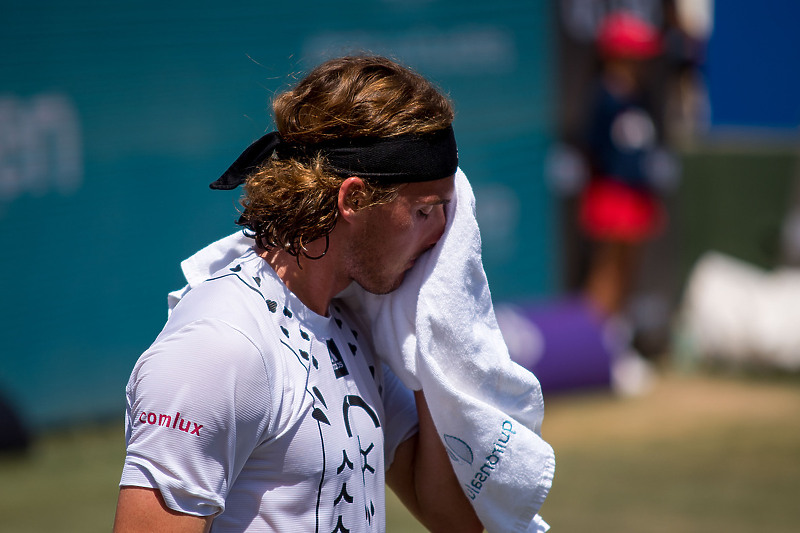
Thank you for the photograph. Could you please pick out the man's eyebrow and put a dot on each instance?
(437, 201)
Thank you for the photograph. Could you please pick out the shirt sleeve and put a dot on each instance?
(402, 421)
(198, 402)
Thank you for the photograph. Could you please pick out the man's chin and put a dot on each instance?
(383, 289)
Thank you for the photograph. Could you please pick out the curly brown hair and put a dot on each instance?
(289, 203)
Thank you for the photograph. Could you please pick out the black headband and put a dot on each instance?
(401, 159)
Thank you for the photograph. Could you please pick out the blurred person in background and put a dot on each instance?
(619, 208)
(611, 170)
(687, 113)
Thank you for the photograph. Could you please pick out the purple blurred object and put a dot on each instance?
(561, 342)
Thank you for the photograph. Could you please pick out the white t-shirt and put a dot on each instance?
(251, 405)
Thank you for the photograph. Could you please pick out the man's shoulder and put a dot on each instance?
(241, 290)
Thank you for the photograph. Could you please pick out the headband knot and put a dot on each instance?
(400, 159)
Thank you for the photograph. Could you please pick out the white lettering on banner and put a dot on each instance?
(41, 148)
(472, 50)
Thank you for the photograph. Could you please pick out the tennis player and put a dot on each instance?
(261, 405)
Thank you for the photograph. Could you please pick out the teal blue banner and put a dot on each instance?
(115, 117)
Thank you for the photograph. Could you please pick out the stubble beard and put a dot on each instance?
(366, 267)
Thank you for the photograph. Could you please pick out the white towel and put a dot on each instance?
(199, 267)
(487, 409)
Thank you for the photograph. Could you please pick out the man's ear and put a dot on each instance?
(352, 196)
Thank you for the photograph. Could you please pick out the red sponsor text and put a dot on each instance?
(168, 421)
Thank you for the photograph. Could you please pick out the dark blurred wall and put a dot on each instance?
(753, 74)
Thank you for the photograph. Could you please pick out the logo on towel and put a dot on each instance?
(491, 462)
(458, 450)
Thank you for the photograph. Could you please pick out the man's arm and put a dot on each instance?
(141, 510)
(423, 479)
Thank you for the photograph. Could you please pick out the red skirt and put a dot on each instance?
(611, 210)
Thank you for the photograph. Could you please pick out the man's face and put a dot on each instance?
(392, 236)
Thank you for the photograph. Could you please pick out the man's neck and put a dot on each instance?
(314, 281)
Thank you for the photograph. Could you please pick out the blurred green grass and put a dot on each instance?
(696, 454)
(712, 454)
